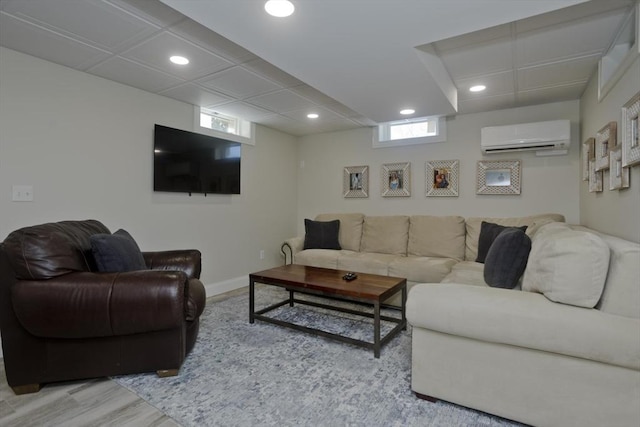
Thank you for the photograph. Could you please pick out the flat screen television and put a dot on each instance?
(188, 162)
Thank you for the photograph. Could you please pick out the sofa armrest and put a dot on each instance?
(525, 319)
(83, 305)
(292, 245)
(185, 260)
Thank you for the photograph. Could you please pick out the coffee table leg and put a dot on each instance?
(252, 302)
(376, 329)
(290, 298)
(404, 307)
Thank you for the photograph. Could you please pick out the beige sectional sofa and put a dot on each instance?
(562, 351)
(422, 248)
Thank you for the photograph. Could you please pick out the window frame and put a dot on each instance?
(382, 136)
(247, 126)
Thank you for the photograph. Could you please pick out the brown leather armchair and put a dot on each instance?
(62, 320)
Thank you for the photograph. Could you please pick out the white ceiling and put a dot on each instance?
(354, 62)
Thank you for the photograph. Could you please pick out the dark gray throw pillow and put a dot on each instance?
(507, 258)
(321, 234)
(488, 233)
(116, 252)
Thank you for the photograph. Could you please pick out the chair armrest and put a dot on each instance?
(83, 305)
(525, 319)
(185, 260)
(293, 246)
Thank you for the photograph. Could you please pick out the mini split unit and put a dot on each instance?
(550, 138)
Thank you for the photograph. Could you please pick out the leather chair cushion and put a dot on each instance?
(53, 249)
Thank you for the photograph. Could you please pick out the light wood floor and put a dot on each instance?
(97, 402)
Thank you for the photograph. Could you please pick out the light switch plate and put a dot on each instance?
(22, 193)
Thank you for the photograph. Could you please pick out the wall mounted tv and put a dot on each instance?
(188, 162)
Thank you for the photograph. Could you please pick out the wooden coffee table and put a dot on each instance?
(367, 289)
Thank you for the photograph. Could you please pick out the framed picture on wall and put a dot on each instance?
(618, 174)
(587, 154)
(595, 178)
(605, 142)
(442, 178)
(396, 179)
(498, 177)
(630, 132)
(355, 181)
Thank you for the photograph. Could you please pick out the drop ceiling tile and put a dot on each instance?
(470, 39)
(89, 21)
(583, 37)
(151, 11)
(476, 105)
(485, 58)
(578, 70)
(497, 84)
(196, 95)
(282, 101)
(271, 72)
(137, 75)
(313, 95)
(212, 41)
(239, 83)
(36, 41)
(325, 114)
(243, 110)
(155, 52)
(551, 94)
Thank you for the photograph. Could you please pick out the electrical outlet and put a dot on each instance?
(22, 193)
(261, 253)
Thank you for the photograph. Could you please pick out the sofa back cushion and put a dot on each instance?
(50, 250)
(567, 266)
(474, 224)
(350, 228)
(436, 236)
(385, 234)
(621, 295)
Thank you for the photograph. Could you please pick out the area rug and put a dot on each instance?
(242, 374)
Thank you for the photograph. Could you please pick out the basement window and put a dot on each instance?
(213, 123)
(422, 130)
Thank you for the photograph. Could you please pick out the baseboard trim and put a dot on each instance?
(226, 285)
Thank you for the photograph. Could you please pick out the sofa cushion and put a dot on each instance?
(474, 224)
(372, 263)
(325, 258)
(421, 269)
(488, 233)
(436, 236)
(350, 232)
(568, 267)
(466, 272)
(507, 258)
(116, 252)
(321, 234)
(385, 234)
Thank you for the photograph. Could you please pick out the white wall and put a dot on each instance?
(86, 146)
(614, 212)
(549, 184)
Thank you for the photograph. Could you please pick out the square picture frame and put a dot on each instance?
(501, 177)
(631, 132)
(618, 174)
(441, 178)
(396, 179)
(587, 154)
(605, 142)
(355, 181)
(595, 178)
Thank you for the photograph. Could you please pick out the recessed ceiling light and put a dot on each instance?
(180, 60)
(279, 8)
(477, 88)
(313, 115)
(407, 111)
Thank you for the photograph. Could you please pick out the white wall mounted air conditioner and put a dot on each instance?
(549, 138)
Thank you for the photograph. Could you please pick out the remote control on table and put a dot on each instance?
(350, 276)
